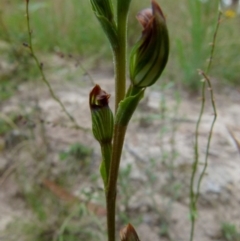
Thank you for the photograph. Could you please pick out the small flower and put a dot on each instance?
(98, 98)
(102, 117)
(128, 233)
(230, 13)
(230, 8)
(150, 54)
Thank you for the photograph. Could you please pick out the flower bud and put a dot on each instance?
(128, 233)
(102, 116)
(150, 54)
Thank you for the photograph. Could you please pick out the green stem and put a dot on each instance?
(111, 192)
(120, 59)
(209, 135)
(119, 131)
(192, 227)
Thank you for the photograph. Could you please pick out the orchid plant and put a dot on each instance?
(148, 59)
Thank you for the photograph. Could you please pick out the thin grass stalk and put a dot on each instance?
(194, 196)
(214, 43)
(40, 67)
(207, 79)
(173, 137)
(192, 206)
(210, 134)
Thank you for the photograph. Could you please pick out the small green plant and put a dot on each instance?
(229, 232)
(6, 89)
(76, 151)
(4, 127)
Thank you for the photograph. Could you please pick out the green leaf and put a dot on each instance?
(127, 107)
(103, 173)
(106, 149)
(103, 8)
(109, 29)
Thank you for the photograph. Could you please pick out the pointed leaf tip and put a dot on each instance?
(128, 233)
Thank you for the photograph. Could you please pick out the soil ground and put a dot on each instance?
(159, 147)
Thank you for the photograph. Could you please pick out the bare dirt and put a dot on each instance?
(159, 147)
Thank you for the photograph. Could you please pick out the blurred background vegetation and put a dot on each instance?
(70, 27)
